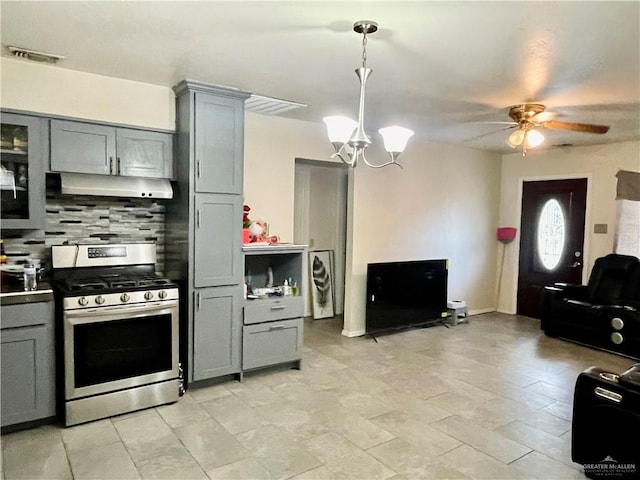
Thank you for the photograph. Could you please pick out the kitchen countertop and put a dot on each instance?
(13, 293)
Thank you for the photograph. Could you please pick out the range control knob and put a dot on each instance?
(125, 297)
(162, 294)
(83, 301)
(148, 295)
(99, 299)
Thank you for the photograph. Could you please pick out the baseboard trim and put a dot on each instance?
(359, 333)
(354, 333)
(481, 311)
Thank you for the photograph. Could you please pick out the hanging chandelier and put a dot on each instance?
(347, 136)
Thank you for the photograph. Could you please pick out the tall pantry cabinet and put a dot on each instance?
(204, 224)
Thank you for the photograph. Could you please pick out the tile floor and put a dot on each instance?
(488, 399)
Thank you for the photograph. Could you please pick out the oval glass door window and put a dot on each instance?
(551, 234)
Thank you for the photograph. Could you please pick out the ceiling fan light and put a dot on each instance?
(339, 129)
(516, 138)
(395, 138)
(534, 138)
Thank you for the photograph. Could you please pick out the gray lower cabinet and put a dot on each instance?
(270, 343)
(28, 363)
(216, 332)
(107, 150)
(273, 327)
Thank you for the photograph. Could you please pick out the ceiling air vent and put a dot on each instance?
(269, 105)
(34, 55)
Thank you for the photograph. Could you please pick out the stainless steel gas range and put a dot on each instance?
(117, 330)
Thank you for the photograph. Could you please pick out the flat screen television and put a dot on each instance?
(405, 294)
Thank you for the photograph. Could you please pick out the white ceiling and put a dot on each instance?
(443, 69)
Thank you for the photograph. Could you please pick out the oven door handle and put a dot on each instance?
(119, 308)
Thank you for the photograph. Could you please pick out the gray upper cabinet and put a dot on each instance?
(217, 235)
(82, 148)
(219, 138)
(144, 154)
(23, 154)
(106, 150)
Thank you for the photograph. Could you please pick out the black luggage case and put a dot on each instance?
(605, 433)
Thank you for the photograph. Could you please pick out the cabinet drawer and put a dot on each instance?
(26, 315)
(272, 343)
(269, 309)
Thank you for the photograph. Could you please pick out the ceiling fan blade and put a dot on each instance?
(576, 127)
(500, 123)
(491, 133)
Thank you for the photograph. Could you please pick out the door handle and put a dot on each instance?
(575, 265)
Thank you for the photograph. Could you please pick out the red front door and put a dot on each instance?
(551, 238)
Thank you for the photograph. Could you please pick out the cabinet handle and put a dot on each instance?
(110, 165)
(198, 168)
(118, 165)
(197, 302)
(277, 327)
(278, 307)
(197, 218)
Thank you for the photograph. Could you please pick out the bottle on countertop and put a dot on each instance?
(4, 277)
(287, 289)
(30, 279)
(3, 256)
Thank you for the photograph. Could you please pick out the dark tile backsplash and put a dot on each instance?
(87, 219)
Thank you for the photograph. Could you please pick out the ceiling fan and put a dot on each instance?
(527, 118)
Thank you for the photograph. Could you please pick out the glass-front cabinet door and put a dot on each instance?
(22, 183)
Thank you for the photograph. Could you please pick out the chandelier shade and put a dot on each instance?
(395, 138)
(340, 129)
(348, 137)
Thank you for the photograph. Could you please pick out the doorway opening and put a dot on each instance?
(320, 220)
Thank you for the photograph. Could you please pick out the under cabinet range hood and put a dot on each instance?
(112, 186)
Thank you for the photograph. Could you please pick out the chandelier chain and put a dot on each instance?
(364, 49)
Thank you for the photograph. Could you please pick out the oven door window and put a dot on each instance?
(118, 349)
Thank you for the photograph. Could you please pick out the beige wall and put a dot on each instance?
(270, 149)
(443, 204)
(598, 163)
(53, 90)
